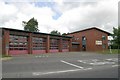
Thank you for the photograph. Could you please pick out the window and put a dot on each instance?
(83, 40)
(77, 38)
(103, 37)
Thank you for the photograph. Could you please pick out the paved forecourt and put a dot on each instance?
(62, 65)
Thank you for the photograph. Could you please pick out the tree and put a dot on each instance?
(116, 37)
(64, 34)
(31, 25)
(55, 32)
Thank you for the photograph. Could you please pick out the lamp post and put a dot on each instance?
(109, 44)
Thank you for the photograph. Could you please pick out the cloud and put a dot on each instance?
(119, 13)
(7, 13)
(101, 14)
(64, 16)
(18, 12)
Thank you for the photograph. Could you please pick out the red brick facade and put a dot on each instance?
(25, 42)
(92, 35)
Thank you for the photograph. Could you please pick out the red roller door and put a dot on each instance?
(18, 45)
(39, 45)
(65, 45)
(54, 45)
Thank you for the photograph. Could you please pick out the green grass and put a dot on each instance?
(113, 51)
(4, 56)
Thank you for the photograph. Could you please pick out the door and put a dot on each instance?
(75, 47)
(65, 45)
(18, 45)
(54, 45)
(83, 43)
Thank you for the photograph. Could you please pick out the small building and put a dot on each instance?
(24, 42)
(91, 39)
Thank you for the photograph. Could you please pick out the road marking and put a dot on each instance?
(88, 61)
(72, 64)
(40, 56)
(41, 73)
(37, 56)
(82, 61)
(87, 69)
(94, 60)
(98, 63)
(115, 65)
(101, 63)
(113, 59)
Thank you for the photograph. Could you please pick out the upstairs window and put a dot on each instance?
(103, 37)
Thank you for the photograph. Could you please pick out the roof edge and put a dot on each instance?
(36, 32)
(90, 29)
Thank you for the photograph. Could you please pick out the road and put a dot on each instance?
(62, 65)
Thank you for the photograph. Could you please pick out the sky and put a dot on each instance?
(62, 15)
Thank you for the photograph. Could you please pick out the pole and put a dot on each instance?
(110, 49)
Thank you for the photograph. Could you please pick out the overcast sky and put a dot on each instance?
(62, 15)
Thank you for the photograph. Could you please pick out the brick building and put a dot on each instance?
(25, 42)
(91, 39)
(15, 41)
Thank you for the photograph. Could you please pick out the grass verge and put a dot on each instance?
(6, 57)
(113, 51)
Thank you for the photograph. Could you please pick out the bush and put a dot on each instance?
(113, 47)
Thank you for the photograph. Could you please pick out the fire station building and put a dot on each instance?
(91, 39)
(25, 42)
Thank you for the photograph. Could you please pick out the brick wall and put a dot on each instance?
(91, 35)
